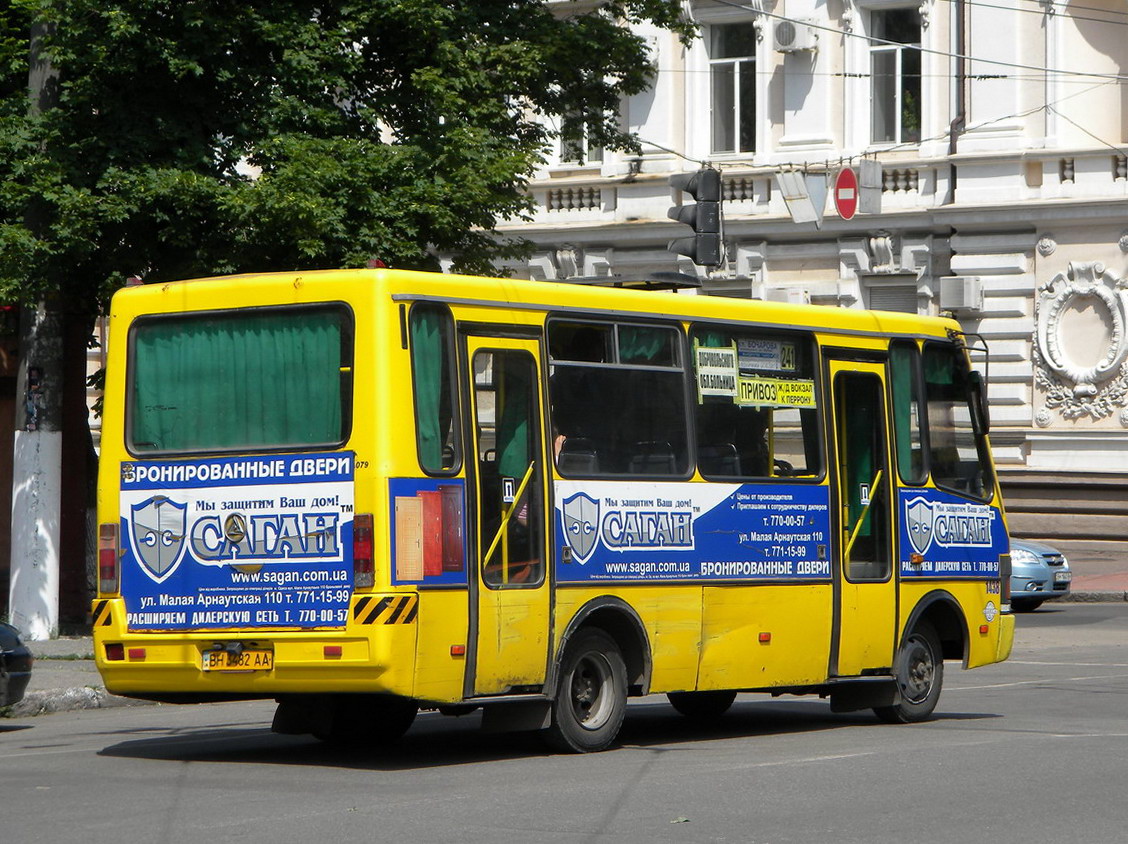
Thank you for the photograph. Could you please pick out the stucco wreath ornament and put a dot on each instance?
(1079, 390)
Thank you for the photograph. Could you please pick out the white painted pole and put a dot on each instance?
(34, 592)
(37, 449)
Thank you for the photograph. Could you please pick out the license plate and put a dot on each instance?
(250, 660)
(1063, 576)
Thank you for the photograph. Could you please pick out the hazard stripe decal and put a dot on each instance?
(102, 615)
(387, 609)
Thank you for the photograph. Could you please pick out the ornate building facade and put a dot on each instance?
(999, 130)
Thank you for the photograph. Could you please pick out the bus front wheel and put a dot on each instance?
(591, 694)
(919, 672)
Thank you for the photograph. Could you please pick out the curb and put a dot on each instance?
(68, 700)
(1093, 597)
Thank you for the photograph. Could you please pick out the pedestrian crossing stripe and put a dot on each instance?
(102, 615)
(386, 609)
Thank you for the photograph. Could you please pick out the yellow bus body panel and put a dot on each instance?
(755, 637)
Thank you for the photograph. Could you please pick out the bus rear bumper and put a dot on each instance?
(1006, 637)
(232, 664)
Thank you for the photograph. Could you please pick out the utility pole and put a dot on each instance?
(37, 447)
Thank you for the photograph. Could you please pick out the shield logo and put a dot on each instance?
(920, 517)
(158, 535)
(581, 524)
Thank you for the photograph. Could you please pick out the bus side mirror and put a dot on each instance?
(980, 413)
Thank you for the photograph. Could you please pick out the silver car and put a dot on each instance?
(1038, 573)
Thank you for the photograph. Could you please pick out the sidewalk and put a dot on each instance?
(64, 677)
(1100, 568)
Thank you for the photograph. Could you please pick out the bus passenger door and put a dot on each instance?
(509, 613)
(866, 590)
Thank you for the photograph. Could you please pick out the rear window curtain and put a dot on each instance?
(203, 383)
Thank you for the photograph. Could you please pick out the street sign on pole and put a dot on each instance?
(846, 193)
(804, 194)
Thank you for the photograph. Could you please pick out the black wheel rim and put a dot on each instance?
(919, 669)
(590, 691)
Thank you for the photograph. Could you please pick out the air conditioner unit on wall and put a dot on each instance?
(791, 36)
(961, 293)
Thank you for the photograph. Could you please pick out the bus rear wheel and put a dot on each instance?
(371, 721)
(591, 694)
(702, 705)
(919, 673)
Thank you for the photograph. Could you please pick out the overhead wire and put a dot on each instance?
(1117, 77)
(1042, 11)
(730, 161)
(1039, 73)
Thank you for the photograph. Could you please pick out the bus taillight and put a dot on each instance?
(364, 572)
(108, 572)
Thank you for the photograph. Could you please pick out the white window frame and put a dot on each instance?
(737, 65)
(592, 155)
(698, 117)
(934, 92)
(898, 51)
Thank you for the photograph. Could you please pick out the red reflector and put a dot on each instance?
(765, 638)
(364, 572)
(115, 651)
(983, 628)
(458, 650)
(108, 559)
(332, 651)
(136, 653)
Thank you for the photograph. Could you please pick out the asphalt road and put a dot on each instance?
(1031, 750)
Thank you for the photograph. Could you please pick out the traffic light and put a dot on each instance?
(704, 247)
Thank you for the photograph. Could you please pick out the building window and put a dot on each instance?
(895, 71)
(576, 146)
(732, 71)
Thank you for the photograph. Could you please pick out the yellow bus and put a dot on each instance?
(366, 492)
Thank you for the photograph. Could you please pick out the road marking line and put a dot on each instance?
(1075, 664)
(1036, 682)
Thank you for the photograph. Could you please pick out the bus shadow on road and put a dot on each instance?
(437, 741)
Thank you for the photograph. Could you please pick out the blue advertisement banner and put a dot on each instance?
(237, 542)
(626, 531)
(949, 536)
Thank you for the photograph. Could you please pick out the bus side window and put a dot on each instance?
(958, 457)
(905, 384)
(617, 399)
(432, 368)
(759, 419)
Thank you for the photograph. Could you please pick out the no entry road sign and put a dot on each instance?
(846, 193)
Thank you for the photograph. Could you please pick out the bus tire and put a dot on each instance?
(702, 706)
(591, 694)
(919, 674)
(367, 720)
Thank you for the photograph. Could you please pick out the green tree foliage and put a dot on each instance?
(201, 136)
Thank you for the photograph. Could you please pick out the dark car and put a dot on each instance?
(1038, 573)
(15, 665)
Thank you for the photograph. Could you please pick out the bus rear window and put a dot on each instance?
(271, 378)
